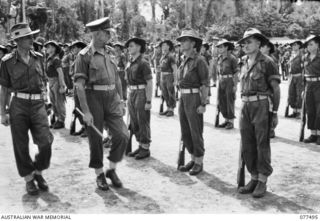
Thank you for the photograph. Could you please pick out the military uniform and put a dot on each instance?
(99, 72)
(295, 82)
(121, 64)
(27, 112)
(227, 69)
(139, 72)
(167, 81)
(312, 93)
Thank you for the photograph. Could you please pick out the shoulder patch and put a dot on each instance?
(84, 51)
(8, 57)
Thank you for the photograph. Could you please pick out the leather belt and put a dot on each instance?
(137, 87)
(166, 73)
(97, 87)
(254, 98)
(314, 79)
(226, 76)
(28, 96)
(296, 75)
(190, 91)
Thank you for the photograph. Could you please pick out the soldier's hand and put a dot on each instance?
(201, 109)
(274, 120)
(147, 106)
(5, 119)
(88, 119)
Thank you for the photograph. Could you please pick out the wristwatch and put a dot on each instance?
(148, 102)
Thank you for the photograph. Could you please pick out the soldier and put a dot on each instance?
(57, 84)
(65, 64)
(139, 77)
(268, 49)
(228, 79)
(295, 80)
(168, 79)
(259, 78)
(121, 64)
(76, 47)
(100, 94)
(312, 89)
(23, 73)
(213, 72)
(193, 82)
(156, 61)
(207, 56)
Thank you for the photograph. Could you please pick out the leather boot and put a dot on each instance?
(32, 188)
(134, 153)
(42, 184)
(223, 125)
(111, 174)
(186, 167)
(260, 190)
(249, 188)
(229, 126)
(143, 153)
(196, 169)
(311, 139)
(102, 182)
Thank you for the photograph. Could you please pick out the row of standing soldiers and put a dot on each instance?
(100, 88)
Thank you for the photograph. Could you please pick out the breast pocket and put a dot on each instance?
(93, 72)
(257, 81)
(18, 78)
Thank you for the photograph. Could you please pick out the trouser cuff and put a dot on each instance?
(198, 160)
(262, 178)
(254, 176)
(98, 171)
(314, 132)
(29, 177)
(145, 146)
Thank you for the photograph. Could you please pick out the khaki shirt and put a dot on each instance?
(255, 80)
(312, 67)
(95, 67)
(193, 72)
(295, 64)
(18, 76)
(228, 65)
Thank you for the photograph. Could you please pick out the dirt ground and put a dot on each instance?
(155, 185)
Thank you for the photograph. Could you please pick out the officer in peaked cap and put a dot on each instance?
(193, 81)
(23, 73)
(259, 80)
(100, 94)
(312, 88)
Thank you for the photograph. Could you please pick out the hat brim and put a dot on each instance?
(138, 41)
(197, 40)
(30, 33)
(261, 37)
(58, 48)
(298, 42)
(4, 49)
(315, 38)
(79, 44)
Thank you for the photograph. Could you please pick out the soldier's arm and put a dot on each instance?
(5, 84)
(203, 72)
(174, 68)
(276, 94)
(3, 98)
(119, 86)
(149, 89)
(274, 81)
(146, 70)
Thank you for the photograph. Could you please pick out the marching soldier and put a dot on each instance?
(295, 80)
(193, 83)
(99, 90)
(56, 83)
(228, 79)
(259, 78)
(22, 72)
(312, 89)
(139, 78)
(168, 78)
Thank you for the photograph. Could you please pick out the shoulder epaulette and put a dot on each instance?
(8, 57)
(84, 51)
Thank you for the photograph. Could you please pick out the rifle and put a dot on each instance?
(181, 155)
(303, 118)
(216, 124)
(73, 123)
(241, 178)
(129, 145)
(286, 113)
(161, 105)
